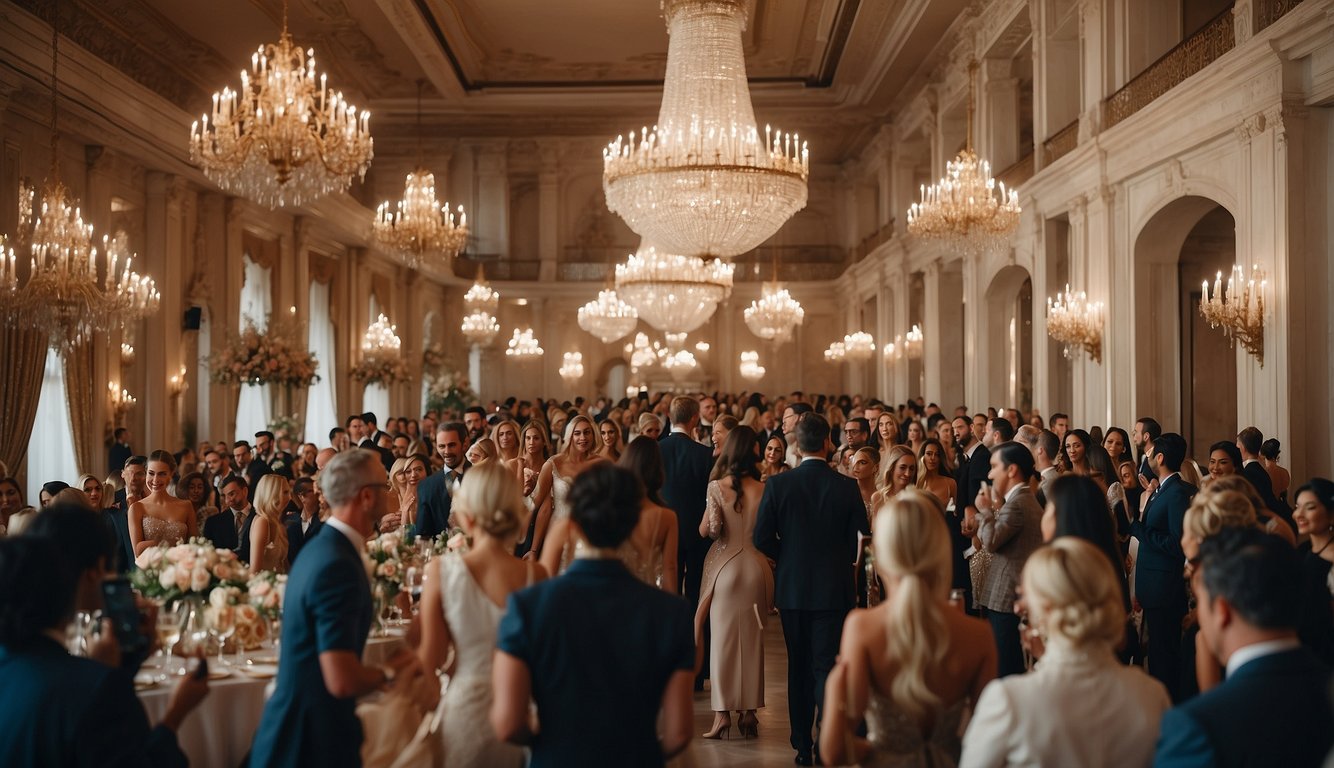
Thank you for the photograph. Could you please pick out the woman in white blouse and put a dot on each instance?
(1079, 706)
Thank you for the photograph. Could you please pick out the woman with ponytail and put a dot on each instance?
(912, 665)
(1080, 705)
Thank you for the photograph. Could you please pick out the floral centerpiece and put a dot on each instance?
(274, 357)
(386, 562)
(265, 591)
(448, 390)
(229, 612)
(380, 368)
(168, 573)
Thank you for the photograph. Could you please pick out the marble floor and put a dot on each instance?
(772, 747)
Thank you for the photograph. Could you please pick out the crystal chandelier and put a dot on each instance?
(1242, 317)
(607, 317)
(858, 346)
(1076, 322)
(912, 343)
(751, 370)
(480, 328)
(481, 297)
(69, 293)
(893, 351)
(572, 369)
(673, 293)
(283, 138)
(774, 315)
(419, 227)
(702, 182)
(381, 337)
(642, 354)
(835, 353)
(964, 207)
(522, 345)
(678, 363)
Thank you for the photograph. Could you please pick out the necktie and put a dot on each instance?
(240, 522)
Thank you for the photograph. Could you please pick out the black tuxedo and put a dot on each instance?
(221, 530)
(968, 478)
(1159, 585)
(117, 455)
(808, 522)
(279, 462)
(296, 538)
(119, 523)
(433, 501)
(386, 455)
(1255, 472)
(686, 465)
(253, 472)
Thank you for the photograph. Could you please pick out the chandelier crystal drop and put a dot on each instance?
(1240, 312)
(480, 328)
(572, 367)
(673, 293)
(283, 138)
(774, 315)
(1076, 322)
(381, 337)
(608, 317)
(702, 182)
(523, 345)
(751, 370)
(419, 228)
(967, 207)
(858, 346)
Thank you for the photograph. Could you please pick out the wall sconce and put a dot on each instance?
(120, 400)
(1076, 322)
(912, 343)
(1242, 317)
(177, 385)
(573, 368)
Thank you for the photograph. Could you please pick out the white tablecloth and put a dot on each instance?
(218, 733)
(379, 650)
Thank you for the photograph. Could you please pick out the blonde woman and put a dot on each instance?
(1080, 705)
(931, 473)
(484, 451)
(462, 607)
(536, 449)
(898, 473)
(268, 535)
(650, 425)
(95, 490)
(912, 665)
(610, 432)
(404, 477)
(751, 418)
(1268, 522)
(551, 499)
(505, 434)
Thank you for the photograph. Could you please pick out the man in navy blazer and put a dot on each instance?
(808, 522)
(433, 493)
(1159, 586)
(1273, 708)
(311, 718)
(222, 529)
(303, 526)
(1249, 441)
(686, 465)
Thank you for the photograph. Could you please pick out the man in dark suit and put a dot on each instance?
(230, 528)
(302, 526)
(311, 718)
(119, 451)
(808, 522)
(1146, 430)
(135, 477)
(370, 440)
(686, 464)
(268, 454)
(247, 467)
(1249, 441)
(1010, 533)
(1158, 584)
(974, 465)
(434, 493)
(1273, 707)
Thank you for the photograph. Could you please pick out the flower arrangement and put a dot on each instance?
(448, 390)
(287, 426)
(229, 609)
(195, 568)
(274, 357)
(380, 368)
(434, 360)
(386, 556)
(265, 592)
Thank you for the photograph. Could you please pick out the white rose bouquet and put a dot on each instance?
(387, 554)
(265, 592)
(169, 573)
(229, 609)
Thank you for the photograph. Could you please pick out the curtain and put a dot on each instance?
(51, 448)
(376, 401)
(24, 352)
(321, 413)
(253, 408)
(79, 388)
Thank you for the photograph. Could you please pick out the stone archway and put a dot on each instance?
(1185, 373)
(1008, 352)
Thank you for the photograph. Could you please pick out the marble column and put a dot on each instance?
(164, 258)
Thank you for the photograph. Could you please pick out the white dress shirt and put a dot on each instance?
(352, 534)
(1255, 651)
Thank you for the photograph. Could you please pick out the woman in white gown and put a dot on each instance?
(913, 664)
(462, 608)
(553, 543)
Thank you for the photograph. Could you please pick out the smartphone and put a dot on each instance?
(118, 605)
(201, 669)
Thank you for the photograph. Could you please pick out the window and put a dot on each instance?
(253, 409)
(321, 415)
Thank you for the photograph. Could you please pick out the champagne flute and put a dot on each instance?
(414, 583)
(169, 620)
(224, 626)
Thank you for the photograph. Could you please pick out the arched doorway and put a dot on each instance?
(1185, 372)
(1009, 342)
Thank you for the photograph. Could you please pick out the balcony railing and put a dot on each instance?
(1020, 172)
(1270, 11)
(1062, 143)
(1172, 68)
(873, 241)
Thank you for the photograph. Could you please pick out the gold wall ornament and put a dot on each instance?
(1240, 311)
(1077, 323)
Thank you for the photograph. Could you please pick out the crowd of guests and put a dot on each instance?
(967, 588)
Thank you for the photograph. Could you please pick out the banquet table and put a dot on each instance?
(220, 731)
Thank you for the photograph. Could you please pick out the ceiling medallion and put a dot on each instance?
(673, 293)
(283, 138)
(702, 182)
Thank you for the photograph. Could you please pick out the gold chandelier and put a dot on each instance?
(480, 328)
(523, 345)
(913, 343)
(283, 138)
(69, 293)
(963, 207)
(480, 303)
(701, 182)
(1076, 322)
(858, 346)
(1241, 311)
(419, 227)
(673, 293)
(608, 317)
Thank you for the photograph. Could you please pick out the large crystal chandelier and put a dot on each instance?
(858, 346)
(480, 328)
(1076, 322)
(836, 352)
(481, 297)
(673, 293)
(523, 345)
(702, 182)
(964, 207)
(69, 293)
(480, 302)
(607, 317)
(751, 370)
(774, 315)
(283, 138)
(381, 338)
(419, 227)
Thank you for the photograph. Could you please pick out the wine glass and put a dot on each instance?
(414, 585)
(224, 626)
(170, 617)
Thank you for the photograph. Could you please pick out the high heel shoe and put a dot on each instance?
(720, 731)
(749, 725)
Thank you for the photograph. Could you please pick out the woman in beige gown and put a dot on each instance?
(737, 587)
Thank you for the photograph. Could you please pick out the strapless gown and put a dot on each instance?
(170, 532)
(898, 742)
(560, 510)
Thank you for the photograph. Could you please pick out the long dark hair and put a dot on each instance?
(1127, 450)
(643, 457)
(739, 458)
(1082, 511)
(1084, 438)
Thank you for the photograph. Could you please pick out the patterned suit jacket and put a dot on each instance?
(1011, 534)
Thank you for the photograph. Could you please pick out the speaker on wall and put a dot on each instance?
(193, 317)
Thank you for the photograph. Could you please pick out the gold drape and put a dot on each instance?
(24, 354)
(79, 391)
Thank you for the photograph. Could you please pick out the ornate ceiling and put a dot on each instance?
(524, 67)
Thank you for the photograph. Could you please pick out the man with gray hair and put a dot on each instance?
(311, 718)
